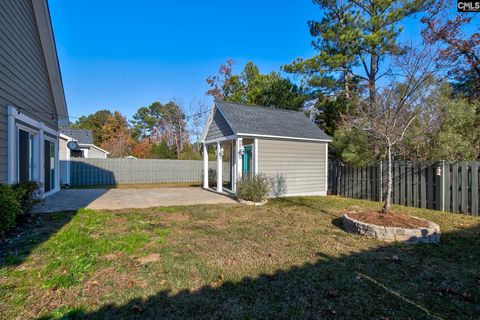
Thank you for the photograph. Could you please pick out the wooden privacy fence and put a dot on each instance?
(442, 186)
(96, 172)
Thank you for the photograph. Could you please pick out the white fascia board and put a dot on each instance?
(93, 146)
(305, 194)
(280, 137)
(220, 139)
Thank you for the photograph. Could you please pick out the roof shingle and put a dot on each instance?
(250, 119)
(82, 136)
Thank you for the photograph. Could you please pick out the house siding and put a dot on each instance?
(95, 153)
(24, 79)
(218, 128)
(302, 164)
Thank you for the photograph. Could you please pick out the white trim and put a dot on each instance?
(220, 139)
(326, 166)
(281, 137)
(38, 128)
(92, 146)
(34, 123)
(48, 138)
(65, 137)
(11, 145)
(219, 168)
(255, 156)
(239, 146)
(306, 194)
(205, 166)
(41, 162)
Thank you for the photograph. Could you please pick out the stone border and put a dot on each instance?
(430, 234)
(251, 203)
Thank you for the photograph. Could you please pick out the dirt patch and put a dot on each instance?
(389, 219)
(154, 257)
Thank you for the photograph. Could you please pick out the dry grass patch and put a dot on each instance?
(288, 259)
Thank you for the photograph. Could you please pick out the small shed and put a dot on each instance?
(285, 145)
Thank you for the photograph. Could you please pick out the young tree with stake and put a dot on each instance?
(396, 106)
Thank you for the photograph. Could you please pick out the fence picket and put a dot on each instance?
(475, 187)
(414, 184)
(464, 186)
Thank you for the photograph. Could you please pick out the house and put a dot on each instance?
(84, 148)
(32, 101)
(275, 142)
(84, 142)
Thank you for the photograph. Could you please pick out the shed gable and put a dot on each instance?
(218, 128)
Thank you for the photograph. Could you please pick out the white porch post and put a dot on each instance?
(205, 166)
(239, 157)
(11, 145)
(255, 156)
(41, 161)
(219, 168)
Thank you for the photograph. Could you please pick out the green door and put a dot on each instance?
(247, 160)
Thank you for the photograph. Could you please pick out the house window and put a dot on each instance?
(27, 160)
(77, 154)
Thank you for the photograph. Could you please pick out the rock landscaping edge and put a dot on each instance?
(430, 234)
(251, 203)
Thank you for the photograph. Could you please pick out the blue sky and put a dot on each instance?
(121, 55)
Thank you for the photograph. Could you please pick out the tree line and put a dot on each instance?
(378, 96)
(374, 93)
(157, 131)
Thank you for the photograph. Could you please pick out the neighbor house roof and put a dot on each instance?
(251, 120)
(80, 135)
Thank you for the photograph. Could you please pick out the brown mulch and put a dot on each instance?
(388, 219)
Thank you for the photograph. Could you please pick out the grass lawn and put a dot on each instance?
(288, 259)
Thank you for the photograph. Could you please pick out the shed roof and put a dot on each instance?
(80, 135)
(246, 119)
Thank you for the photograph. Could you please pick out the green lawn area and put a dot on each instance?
(288, 259)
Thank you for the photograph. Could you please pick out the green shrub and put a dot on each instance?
(9, 207)
(28, 195)
(253, 187)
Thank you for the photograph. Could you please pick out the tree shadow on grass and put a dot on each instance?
(390, 281)
(31, 231)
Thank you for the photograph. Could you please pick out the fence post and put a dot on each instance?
(441, 192)
(380, 181)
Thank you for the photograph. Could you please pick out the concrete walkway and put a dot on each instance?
(114, 199)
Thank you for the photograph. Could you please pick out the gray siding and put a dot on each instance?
(24, 80)
(218, 128)
(301, 163)
(95, 153)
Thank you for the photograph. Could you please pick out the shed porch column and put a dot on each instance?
(205, 166)
(238, 160)
(219, 168)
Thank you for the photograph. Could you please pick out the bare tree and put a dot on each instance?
(174, 126)
(397, 105)
(198, 114)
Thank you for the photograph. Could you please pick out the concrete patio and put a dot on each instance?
(114, 199)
